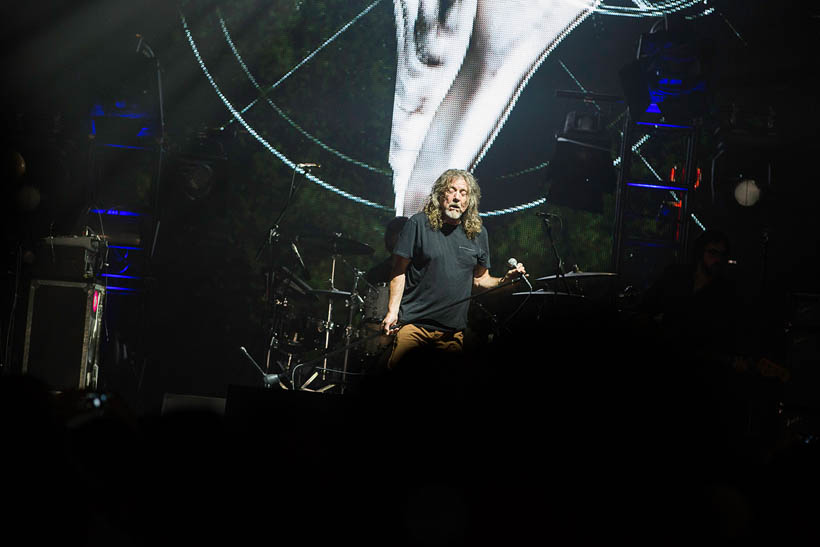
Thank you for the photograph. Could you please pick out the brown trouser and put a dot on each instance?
(411, 337)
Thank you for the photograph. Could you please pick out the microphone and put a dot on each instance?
(308, 165)
(268, 379)
(299, 256)
(512, 263)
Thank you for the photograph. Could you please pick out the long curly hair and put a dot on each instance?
(432, 207)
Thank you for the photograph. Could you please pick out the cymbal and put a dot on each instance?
(541, 292)
(579, 275)
(336, 245)
(331, 292)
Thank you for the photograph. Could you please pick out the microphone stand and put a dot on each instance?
(559, 268)
(269, 241)
(273, 231)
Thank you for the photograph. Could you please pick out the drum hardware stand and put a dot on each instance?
(360, 274)
(336, 247)
(354, 304)
(329, 323)
(275, 331)
(279, 317)
(329, 326)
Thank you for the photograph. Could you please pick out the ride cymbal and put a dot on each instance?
(579, 275)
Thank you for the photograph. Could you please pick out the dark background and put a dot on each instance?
(204, 286)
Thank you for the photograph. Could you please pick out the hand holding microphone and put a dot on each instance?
(517, 268)
(390, 323)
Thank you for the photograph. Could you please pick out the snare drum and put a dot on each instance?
(375, 303)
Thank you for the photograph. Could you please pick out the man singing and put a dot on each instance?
(441, 255)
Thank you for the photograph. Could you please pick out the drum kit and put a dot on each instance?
(324, 353)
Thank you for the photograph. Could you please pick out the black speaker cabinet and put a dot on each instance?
(63, 333)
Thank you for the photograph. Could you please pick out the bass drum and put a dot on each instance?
(374, 351)
(375, 303)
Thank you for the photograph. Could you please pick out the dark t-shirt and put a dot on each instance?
(440, 272)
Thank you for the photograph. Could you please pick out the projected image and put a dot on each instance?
(387, 95)
(461, 66)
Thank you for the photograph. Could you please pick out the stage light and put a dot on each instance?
(747, 192)
(668, 80)
(581, 169)
(741, 170)
(200, 165)
(197, 179)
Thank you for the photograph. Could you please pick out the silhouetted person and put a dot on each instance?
(703, 353)
(380, 273)
(696, 304)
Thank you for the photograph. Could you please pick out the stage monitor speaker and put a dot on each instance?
(62, 336)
